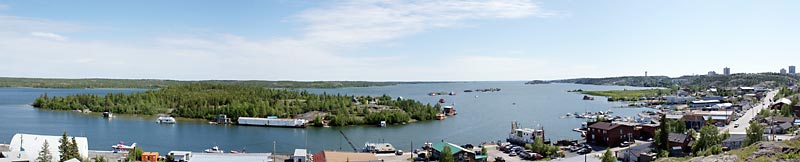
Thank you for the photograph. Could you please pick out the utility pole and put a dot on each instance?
(273, 151)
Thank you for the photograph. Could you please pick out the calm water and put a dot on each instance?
(486, 117)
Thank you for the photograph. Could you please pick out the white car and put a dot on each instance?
(736, 125)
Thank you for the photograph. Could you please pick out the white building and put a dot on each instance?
(300, 155)
(31, 144)
(525, 135)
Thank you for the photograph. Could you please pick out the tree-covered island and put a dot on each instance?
(205, 101)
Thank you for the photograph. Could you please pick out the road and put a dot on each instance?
(744, 121)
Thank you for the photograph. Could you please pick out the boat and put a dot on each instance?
(166, 120)
(440, 116)
(585, 97)
(214, 149)
(449, 110)
(469, 90)
(273, 121)
(432, 94)
(122, 147)
(379, 148)
(441, 100)
(452, 93)
(108, 114)
(383, 124)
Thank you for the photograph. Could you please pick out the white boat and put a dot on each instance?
(214, 149)
(108, 114)
(166, 120)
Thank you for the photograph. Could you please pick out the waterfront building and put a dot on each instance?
(726, 71)
(458, 152)
(334, 156)
(300, 155)
(150, 157)
(180, 156)
(216, 157)
(609, 134)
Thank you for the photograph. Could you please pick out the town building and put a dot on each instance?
(703, 103)
(678, 99)
(609, 134)
(680, 143)
(792, 70)
(8, 155)
(150, 157)
(734, 141)
(712, 73)
(335, 156)
(726, 71)
(458, 152)
(783, 71)
(300, 155)
(693, 121)
(180, 156)
(639, 153)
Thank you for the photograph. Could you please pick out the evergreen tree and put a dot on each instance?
(64, 148)
(709, 141)
(74, 149)
(135, 154)
(44, 154)
(446, 155)
(608, 156)
(662, 137)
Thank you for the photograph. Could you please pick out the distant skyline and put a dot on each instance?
(394, 40)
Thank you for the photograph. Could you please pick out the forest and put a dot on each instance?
(200, 100)
(159, 83)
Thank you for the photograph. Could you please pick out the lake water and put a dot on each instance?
(486, 117)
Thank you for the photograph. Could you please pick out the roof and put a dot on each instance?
(784, 101)
(73, 160)
(735, 138)
(643, 148)
(779, 119)
(453, 147)
(670, 116)
(214, 157)
(32, 144)
(693, 118)
(677, 137)
(604, 125)
(705, 101)
(300, 152)
(333, 156)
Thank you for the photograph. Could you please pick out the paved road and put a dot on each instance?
(749, 115)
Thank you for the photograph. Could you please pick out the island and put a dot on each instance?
(206, 101)
(160, 83)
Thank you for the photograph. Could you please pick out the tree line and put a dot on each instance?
(207, 100)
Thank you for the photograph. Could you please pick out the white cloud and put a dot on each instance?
(51, 36)
(313, 55)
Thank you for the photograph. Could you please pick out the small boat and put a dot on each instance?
(440, 116)
(108, 114)
(432, 94)
(166, 120)
(469, 90)
(214, 149)
(383, 124)
(452, 93)
(585, 97)
(441, 100)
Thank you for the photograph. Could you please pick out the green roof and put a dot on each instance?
(453, 148)
(481, 156)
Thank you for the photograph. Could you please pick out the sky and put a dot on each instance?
(394, 40)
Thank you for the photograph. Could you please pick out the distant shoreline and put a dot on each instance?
(102, 83)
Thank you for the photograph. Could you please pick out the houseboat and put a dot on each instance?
(166, 120)
(449, 110)
(440, 116)
(214, 149)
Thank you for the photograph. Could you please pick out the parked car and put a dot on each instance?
(513, 154)
(626, 144)
(736, 125)
(398, 152)
(499, 159)
(584, 151)
(574, 148)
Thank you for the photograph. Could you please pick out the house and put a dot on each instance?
(694, 121)
(215, 157)
(720, 118)
(8, 155)
(458, 152)
(680, 142)
(300, 155)
(180, 156)
(640, 153)
(734, 141)
(796, 109)
(32, 144)
(779, 103)
(334, 156)
(779, 128)
(149, 156)
(609, 134)
(678, 99)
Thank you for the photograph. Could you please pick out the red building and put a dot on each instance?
(609, 134)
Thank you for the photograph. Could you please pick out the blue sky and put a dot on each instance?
(393, 40)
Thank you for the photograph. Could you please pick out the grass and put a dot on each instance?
(628, 95)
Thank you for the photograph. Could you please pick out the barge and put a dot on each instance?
(273, 122)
